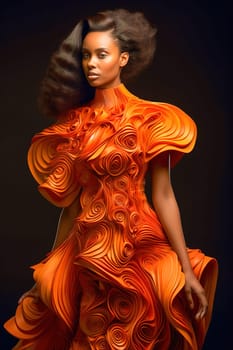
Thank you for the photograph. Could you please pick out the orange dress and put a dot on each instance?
(115, 282)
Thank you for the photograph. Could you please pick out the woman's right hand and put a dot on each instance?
(31, 292)
(193, 285)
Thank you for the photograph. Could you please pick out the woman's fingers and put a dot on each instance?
(203, 305)
(193, 287)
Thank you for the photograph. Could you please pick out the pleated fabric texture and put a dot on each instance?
(115, 282)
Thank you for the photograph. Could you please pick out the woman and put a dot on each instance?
(119, 275)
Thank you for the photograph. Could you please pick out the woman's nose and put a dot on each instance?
(91, 62)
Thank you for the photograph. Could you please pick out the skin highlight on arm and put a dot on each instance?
(167, 209)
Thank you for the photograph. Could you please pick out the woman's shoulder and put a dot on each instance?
(164, 127)
(159, 105)
(158, 111)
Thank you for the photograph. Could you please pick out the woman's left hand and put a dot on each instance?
(193, 286)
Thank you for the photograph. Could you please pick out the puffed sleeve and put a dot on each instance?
(51, 160)
(167, 129)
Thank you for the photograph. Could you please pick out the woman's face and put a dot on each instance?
(102, 60)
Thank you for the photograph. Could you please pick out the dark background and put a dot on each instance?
(191, 69)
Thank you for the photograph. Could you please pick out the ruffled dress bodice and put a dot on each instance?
(116, 135)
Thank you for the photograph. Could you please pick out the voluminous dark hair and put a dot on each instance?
(65, 87)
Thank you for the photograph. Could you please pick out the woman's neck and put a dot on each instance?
(111, 97)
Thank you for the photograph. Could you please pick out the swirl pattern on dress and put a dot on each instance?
(115, 282)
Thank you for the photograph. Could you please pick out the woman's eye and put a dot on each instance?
(85, 55)
(102, 55)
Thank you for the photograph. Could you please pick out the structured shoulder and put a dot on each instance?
(166, 128)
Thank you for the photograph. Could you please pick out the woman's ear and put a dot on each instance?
(124, 59)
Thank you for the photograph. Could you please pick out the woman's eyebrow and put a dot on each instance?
(97, 49)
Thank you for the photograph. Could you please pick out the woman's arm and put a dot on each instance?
(167, 209)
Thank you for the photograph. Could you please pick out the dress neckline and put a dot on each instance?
(111, 97)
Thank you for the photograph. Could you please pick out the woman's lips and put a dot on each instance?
(92, 75)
